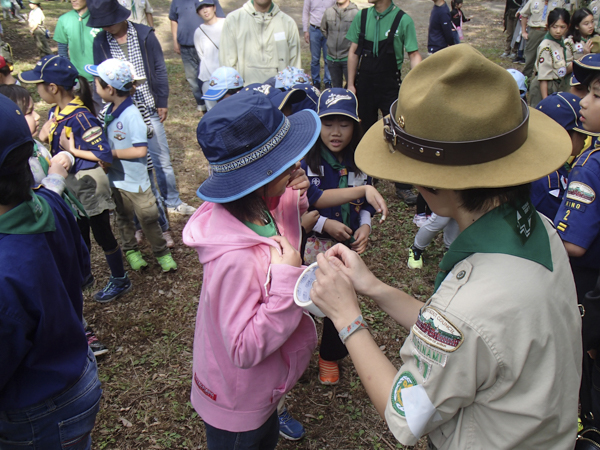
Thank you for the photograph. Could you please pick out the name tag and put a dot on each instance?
(279, 36)
(356, 180)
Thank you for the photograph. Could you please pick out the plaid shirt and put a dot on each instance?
(142, 93)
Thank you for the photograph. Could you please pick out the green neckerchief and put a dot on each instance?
(267, 230)
(561, 41)
(43, 161)
(30, 217)
(508, 230)
(378, 17)
(343, 183)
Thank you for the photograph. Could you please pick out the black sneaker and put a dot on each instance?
(407, 196)
(88, 282)
(97, 347)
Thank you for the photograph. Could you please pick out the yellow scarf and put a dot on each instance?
(62, 114)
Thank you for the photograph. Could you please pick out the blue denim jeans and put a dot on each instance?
(191, 67)
(318, 44)
(161, 158)
(62, 422)
(162, 215)
(263, 438)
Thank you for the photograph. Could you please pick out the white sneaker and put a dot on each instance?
(201, 108)
(512, 56)
(183, 208)
(139, 237)
(169, 239)
(504, 55)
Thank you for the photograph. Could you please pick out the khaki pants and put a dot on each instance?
(144, 206)
(536, 36)
(41, 42)
(511, 24)
(535, 94)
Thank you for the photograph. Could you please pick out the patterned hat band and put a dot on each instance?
(254, 154)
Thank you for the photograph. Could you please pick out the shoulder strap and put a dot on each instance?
(363, 28)
(394, 27)
(213, 43)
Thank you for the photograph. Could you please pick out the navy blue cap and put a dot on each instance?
(574, 81)
(248, 143)
(52, 69)
(201, 3)
(564, 108)
(105, 13)
(312, 97)
(278, 97)
(13, 128)
(338, 101)
(586, 66)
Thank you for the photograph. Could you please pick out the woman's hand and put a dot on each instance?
(289, 255)
(333, 292)
(376, 201)
(298, 179)
(337, 230)
(361, 239)
(352, 265)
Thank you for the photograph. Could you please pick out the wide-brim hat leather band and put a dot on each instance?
(454, 153)
(466, 114)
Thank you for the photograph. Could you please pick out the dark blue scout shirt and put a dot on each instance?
(184, 13)
(547, 192)
(43, 348)
(330, 180)
(578, 218)
(440, 29)
(86, 129)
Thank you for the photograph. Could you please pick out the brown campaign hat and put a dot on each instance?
(459, 123)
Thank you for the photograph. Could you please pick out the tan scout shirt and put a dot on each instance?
(551, 63)
(534, 11)
(494, 361)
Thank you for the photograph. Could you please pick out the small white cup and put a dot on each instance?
(302, 290)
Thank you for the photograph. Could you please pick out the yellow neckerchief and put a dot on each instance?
(62, 114)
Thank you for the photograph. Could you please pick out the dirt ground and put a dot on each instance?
(146, 375)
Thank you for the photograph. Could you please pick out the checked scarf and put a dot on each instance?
(142, 93)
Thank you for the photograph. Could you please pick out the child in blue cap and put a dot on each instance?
(343, 196)
(72, 126)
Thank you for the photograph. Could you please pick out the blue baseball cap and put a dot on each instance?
(201, 3)
(222, 80)
(586, 66)
(312, 97)
(116, 73)
(338, 101)
(13, 128)
(574, 81)
(278, 97)
(248, 143)
(564, 108)
(520, 79)
(52, 69)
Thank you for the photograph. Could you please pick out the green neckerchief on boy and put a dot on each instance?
(330, 159)
(378, 17)
(508, 230)
(561, 41)
(31, 217)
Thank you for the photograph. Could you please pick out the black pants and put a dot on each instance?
(103, 234)
(332, 348)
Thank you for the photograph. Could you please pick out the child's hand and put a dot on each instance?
(298, 180)
(587, 47)
(361, 237)
(63, 159)
(66, 143)
(337, 230)
(289, 256)
(57, 168)
(45, 130)
(376, 201)
(309, 219)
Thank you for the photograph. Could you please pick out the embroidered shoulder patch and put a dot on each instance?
(437, 331)
(428, 353)
(580, 192)
(91, 134)
(405, 380)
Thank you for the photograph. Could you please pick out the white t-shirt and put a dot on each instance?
(206, 41)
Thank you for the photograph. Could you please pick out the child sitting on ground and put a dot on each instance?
(130, 184)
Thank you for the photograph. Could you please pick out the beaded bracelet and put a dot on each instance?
(358, 324)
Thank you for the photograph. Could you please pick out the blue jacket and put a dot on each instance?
(154, 61)
(547, 192)
(440, 29)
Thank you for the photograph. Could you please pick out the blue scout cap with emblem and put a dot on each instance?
(52, 69)
(201, 3)
(116, 73)
(248, 143)
(290, 76)
(312, 97)
(586, 66)
(338, 101)
(105, 13)
(278, 97)
(13, 128)
(222, 80)
(564, 108)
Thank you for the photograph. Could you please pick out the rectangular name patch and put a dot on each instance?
(206, 391)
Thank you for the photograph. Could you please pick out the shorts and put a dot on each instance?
(92, 189)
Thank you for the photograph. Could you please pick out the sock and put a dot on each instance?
(115, 263)
(416, 252)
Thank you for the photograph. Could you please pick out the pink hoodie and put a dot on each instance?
(252, 342)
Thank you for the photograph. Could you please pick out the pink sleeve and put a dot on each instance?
(303, 204)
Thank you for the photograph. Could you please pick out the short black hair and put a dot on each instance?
(119, 92)
(484, 199)
(6, 70)
(16, 178)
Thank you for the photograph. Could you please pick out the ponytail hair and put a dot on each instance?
(85, 94)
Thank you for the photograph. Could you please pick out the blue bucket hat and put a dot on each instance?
(105, 13)
(586, 66)
(338, 102)
(13, 128)
(52, 69)
(248, 143)
(222, 80)
(564, 108)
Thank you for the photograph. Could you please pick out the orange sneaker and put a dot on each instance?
(329, 372)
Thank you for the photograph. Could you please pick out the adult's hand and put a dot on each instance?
(306, 37)
(162, 114)
(352, 265)
(333, 292)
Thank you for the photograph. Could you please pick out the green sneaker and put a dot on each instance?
(135, 259)
(414, 259)
(167, 262)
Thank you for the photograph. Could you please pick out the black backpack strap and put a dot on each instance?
(363, 29)
(390, 38)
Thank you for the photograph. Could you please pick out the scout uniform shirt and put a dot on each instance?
(494, 359)
(594, 7)
(552, 60)
(575, 48)
(578, 218)
(537, 11)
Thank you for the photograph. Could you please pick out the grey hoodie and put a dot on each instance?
(335, 24)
